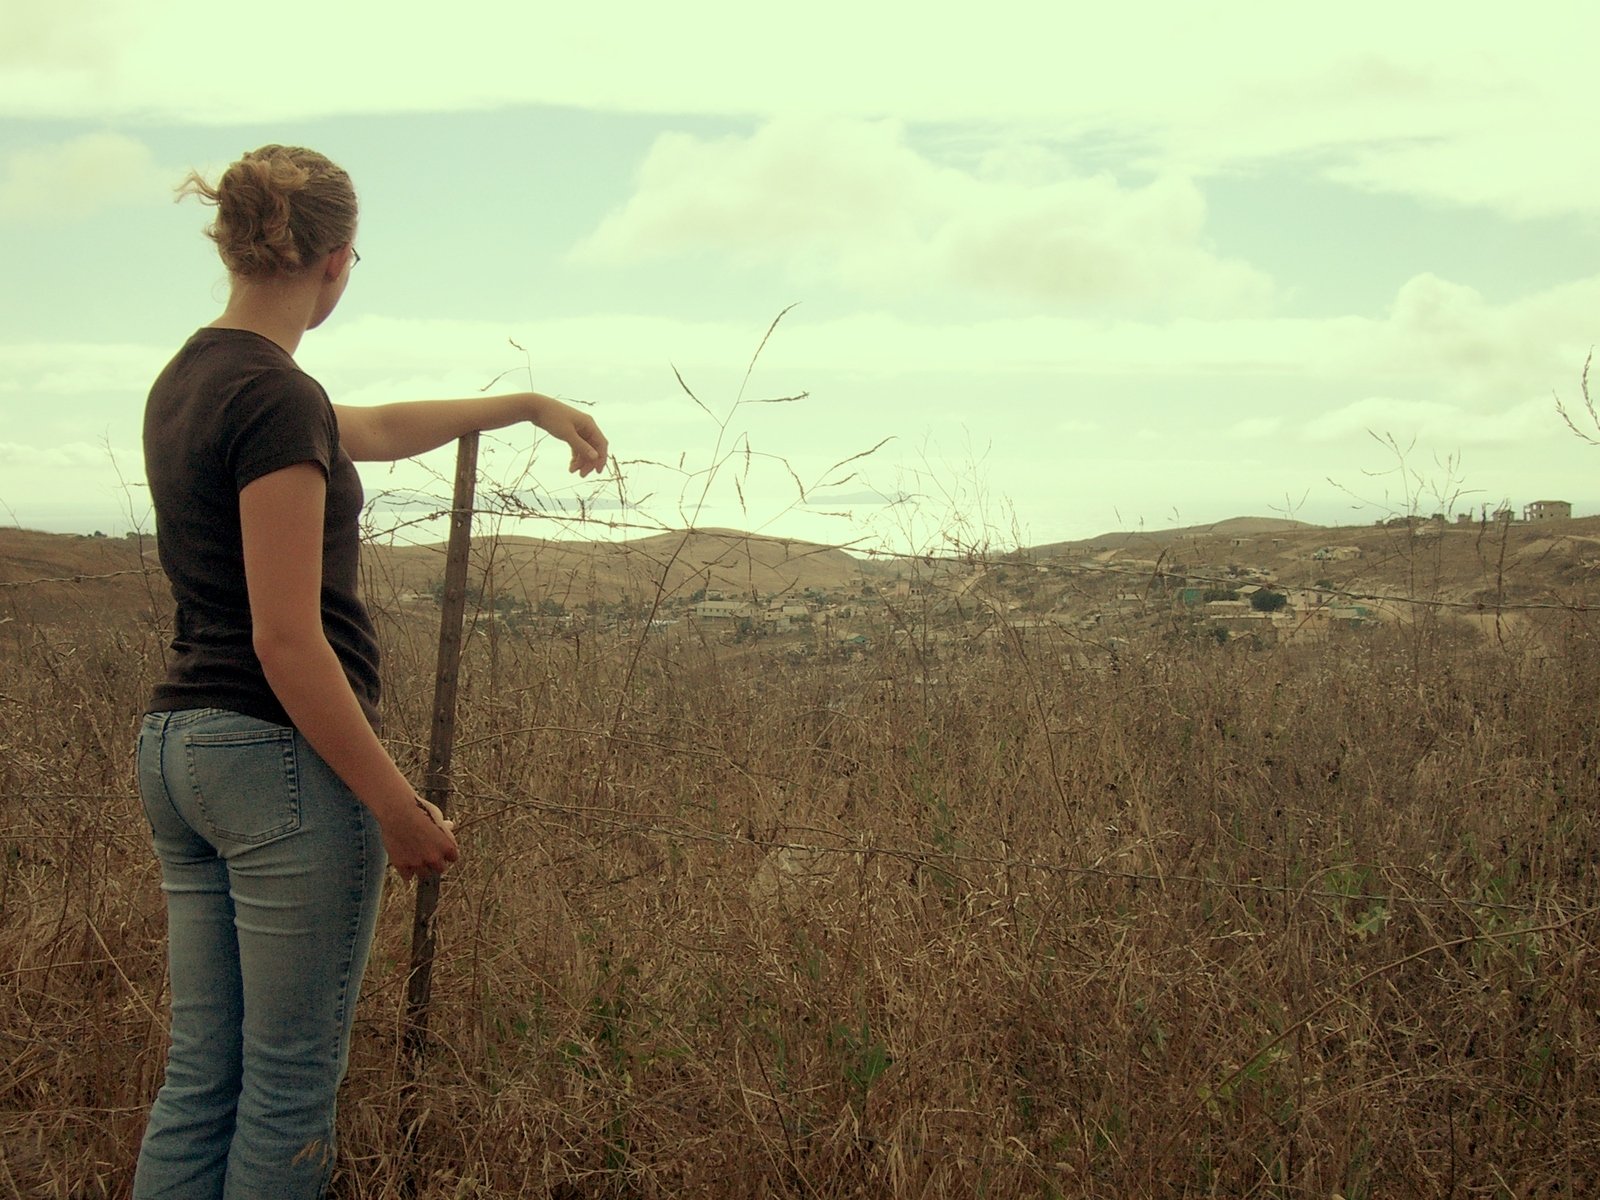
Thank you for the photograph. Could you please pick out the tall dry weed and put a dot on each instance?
(1014, 915)
(1214, 922)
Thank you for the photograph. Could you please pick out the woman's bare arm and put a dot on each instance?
(385, 432)
(281, 518)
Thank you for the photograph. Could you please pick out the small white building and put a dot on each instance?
(722, 610)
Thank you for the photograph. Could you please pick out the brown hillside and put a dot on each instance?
(1545, 562)
(49, 578)
(52, 578)
(533, 569)
(1158, 539)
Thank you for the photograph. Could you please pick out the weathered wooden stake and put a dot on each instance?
(436, 787)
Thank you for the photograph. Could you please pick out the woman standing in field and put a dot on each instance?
(273, 804)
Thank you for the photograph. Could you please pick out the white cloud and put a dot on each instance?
(1518, 170)
(617, 339)
(851, 202)
(1443, 332)
(1255, 428)
(77, 178)
(1438, 337)
(67, 35)
(1435, 422)
(1077, 425)
(1445, 366)
(78, 368)
(71, 455)
(1414, 99)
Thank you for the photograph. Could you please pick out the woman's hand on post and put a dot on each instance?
(574, 427)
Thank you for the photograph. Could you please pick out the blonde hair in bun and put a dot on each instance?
(279, 209)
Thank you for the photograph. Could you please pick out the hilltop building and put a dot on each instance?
(1547, 510)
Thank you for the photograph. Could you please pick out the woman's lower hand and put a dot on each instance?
(420, 840)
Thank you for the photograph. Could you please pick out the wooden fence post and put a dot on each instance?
(436, 787)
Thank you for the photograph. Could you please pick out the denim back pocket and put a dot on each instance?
(246, 782)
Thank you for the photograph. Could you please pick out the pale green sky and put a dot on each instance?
(1155, 266)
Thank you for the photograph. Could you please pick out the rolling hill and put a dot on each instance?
(51, 579)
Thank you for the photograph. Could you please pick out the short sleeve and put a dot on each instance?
(283, 418)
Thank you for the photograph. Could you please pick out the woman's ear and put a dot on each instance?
(339, 259)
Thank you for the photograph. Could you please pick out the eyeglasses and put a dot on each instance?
(355, 258)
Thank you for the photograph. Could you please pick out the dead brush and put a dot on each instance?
(1001, 916)
(818, 936)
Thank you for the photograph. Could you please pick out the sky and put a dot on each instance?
(1018, 274)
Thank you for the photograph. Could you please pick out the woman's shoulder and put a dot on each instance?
(220, 343)
(228, 382)
(226, 364)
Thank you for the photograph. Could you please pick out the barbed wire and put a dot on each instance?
(941, 859)
(1165, 579)
(18, 583)
(1232, 584)
(615, 823)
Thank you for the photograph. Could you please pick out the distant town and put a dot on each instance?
(1262, 580)
(1536, 510)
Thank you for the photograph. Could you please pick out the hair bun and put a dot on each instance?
(279, 209)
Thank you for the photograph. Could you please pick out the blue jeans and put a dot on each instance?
(272, 871)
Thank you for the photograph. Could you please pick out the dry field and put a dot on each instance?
(1309, 922)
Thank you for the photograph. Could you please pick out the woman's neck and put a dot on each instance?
(280, 308)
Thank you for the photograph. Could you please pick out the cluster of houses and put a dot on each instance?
(1098, 595)
(779, 615)
(1104, 592)
(1533, 511)
(986, 602)
(1304, 613)
(1249, 605)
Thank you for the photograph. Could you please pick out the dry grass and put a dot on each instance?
(1215, 923)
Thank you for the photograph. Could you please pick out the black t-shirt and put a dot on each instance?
(231, 407)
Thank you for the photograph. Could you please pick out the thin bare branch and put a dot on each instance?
(745, 382)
